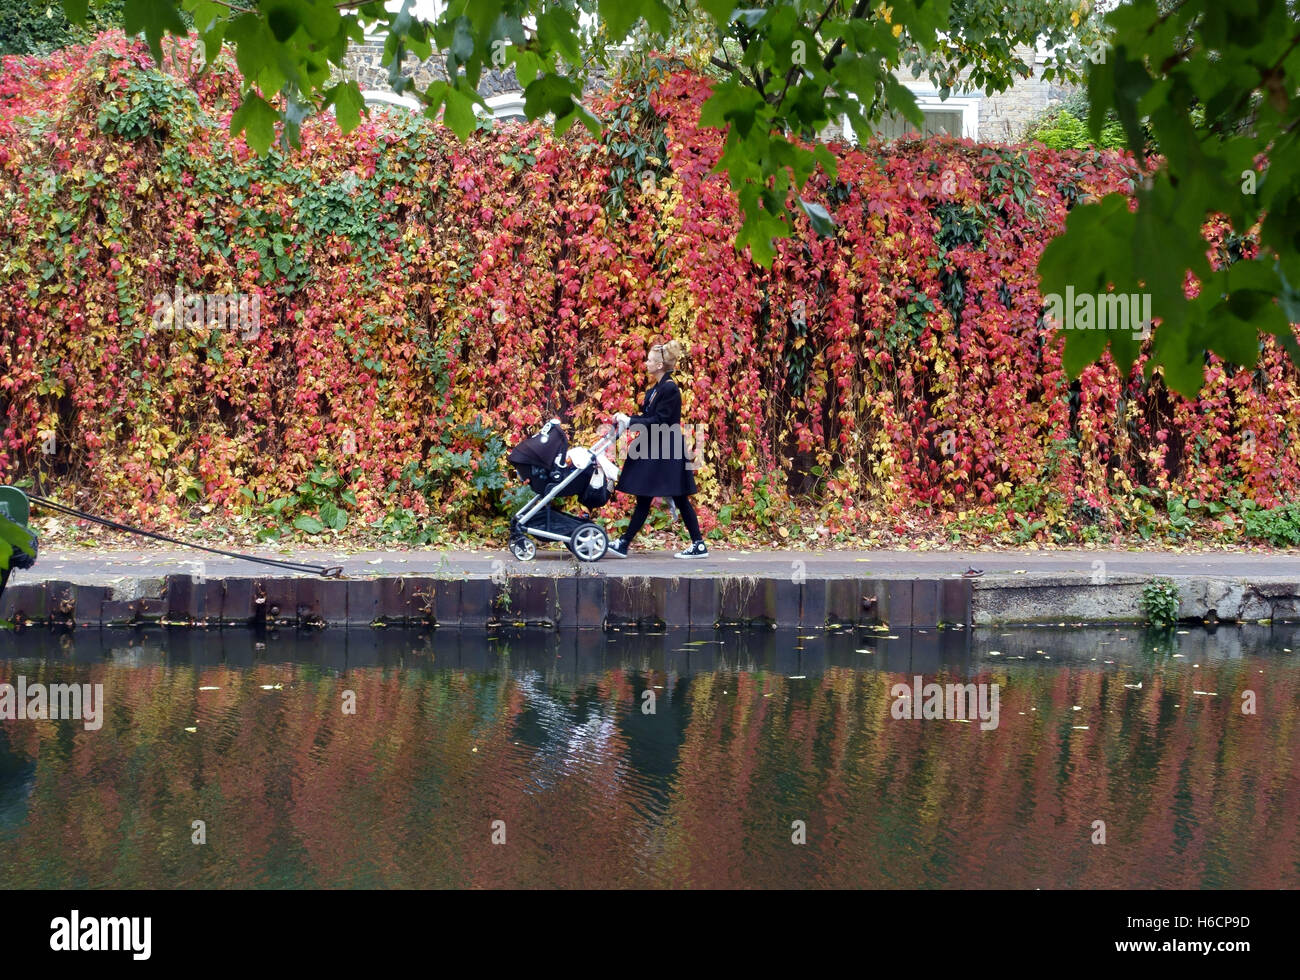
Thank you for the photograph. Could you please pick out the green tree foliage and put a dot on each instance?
(1240, 64)
(40, 26)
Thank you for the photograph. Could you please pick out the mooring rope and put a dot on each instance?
(326, 571)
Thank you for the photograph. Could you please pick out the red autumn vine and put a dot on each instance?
(423, 303)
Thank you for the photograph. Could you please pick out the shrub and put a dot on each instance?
(1160, 602)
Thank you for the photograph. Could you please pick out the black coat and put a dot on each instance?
(656, 464)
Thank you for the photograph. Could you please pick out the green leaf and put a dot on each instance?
(153, 18)
(282, 19)
(462, 40)
(75, 11)
(348, 104)
(13, 537)
(309, 524)
(719, 10)
(549, 93)
(619, 16)
(458, 113)
(734, 103)
(256, 120)
(820, 218)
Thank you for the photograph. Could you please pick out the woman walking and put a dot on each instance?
(656, 463)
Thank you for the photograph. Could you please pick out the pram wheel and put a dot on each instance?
(589, 542)
(525, 549)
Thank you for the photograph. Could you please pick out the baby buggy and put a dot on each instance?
(552, 471)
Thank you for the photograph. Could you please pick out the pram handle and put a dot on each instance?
(607, 439)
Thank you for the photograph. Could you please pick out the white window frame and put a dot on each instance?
(380, 96)
(927, 97)
(503, 105)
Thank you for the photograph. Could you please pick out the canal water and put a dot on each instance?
(1102, 758)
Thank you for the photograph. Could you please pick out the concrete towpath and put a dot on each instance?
(784, 588)
(87, 565)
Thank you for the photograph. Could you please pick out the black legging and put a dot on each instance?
(642, 511)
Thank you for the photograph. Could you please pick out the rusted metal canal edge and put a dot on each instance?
(559, 601)
(602, 600)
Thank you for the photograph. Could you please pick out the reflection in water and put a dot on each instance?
(553, 734)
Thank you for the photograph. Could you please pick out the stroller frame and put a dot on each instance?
(537, 519)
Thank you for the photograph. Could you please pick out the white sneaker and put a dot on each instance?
(698, 549)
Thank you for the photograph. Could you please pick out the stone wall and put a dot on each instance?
(1002, 117)
(363, 62)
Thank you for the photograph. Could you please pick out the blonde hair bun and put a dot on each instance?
(672, 353)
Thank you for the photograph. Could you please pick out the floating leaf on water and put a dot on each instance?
(1134, 687)
(1177, 656)
(209, 689)
(995, 653)
(793, 677)
(1208, 694)
(1080, 728)
(194, 729)
(1077, 707)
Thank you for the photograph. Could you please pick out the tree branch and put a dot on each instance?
(859, 9)
(794, 69)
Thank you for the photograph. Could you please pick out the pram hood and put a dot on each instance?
(546, 449)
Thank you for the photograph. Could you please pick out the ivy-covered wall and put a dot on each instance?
(422, 303)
